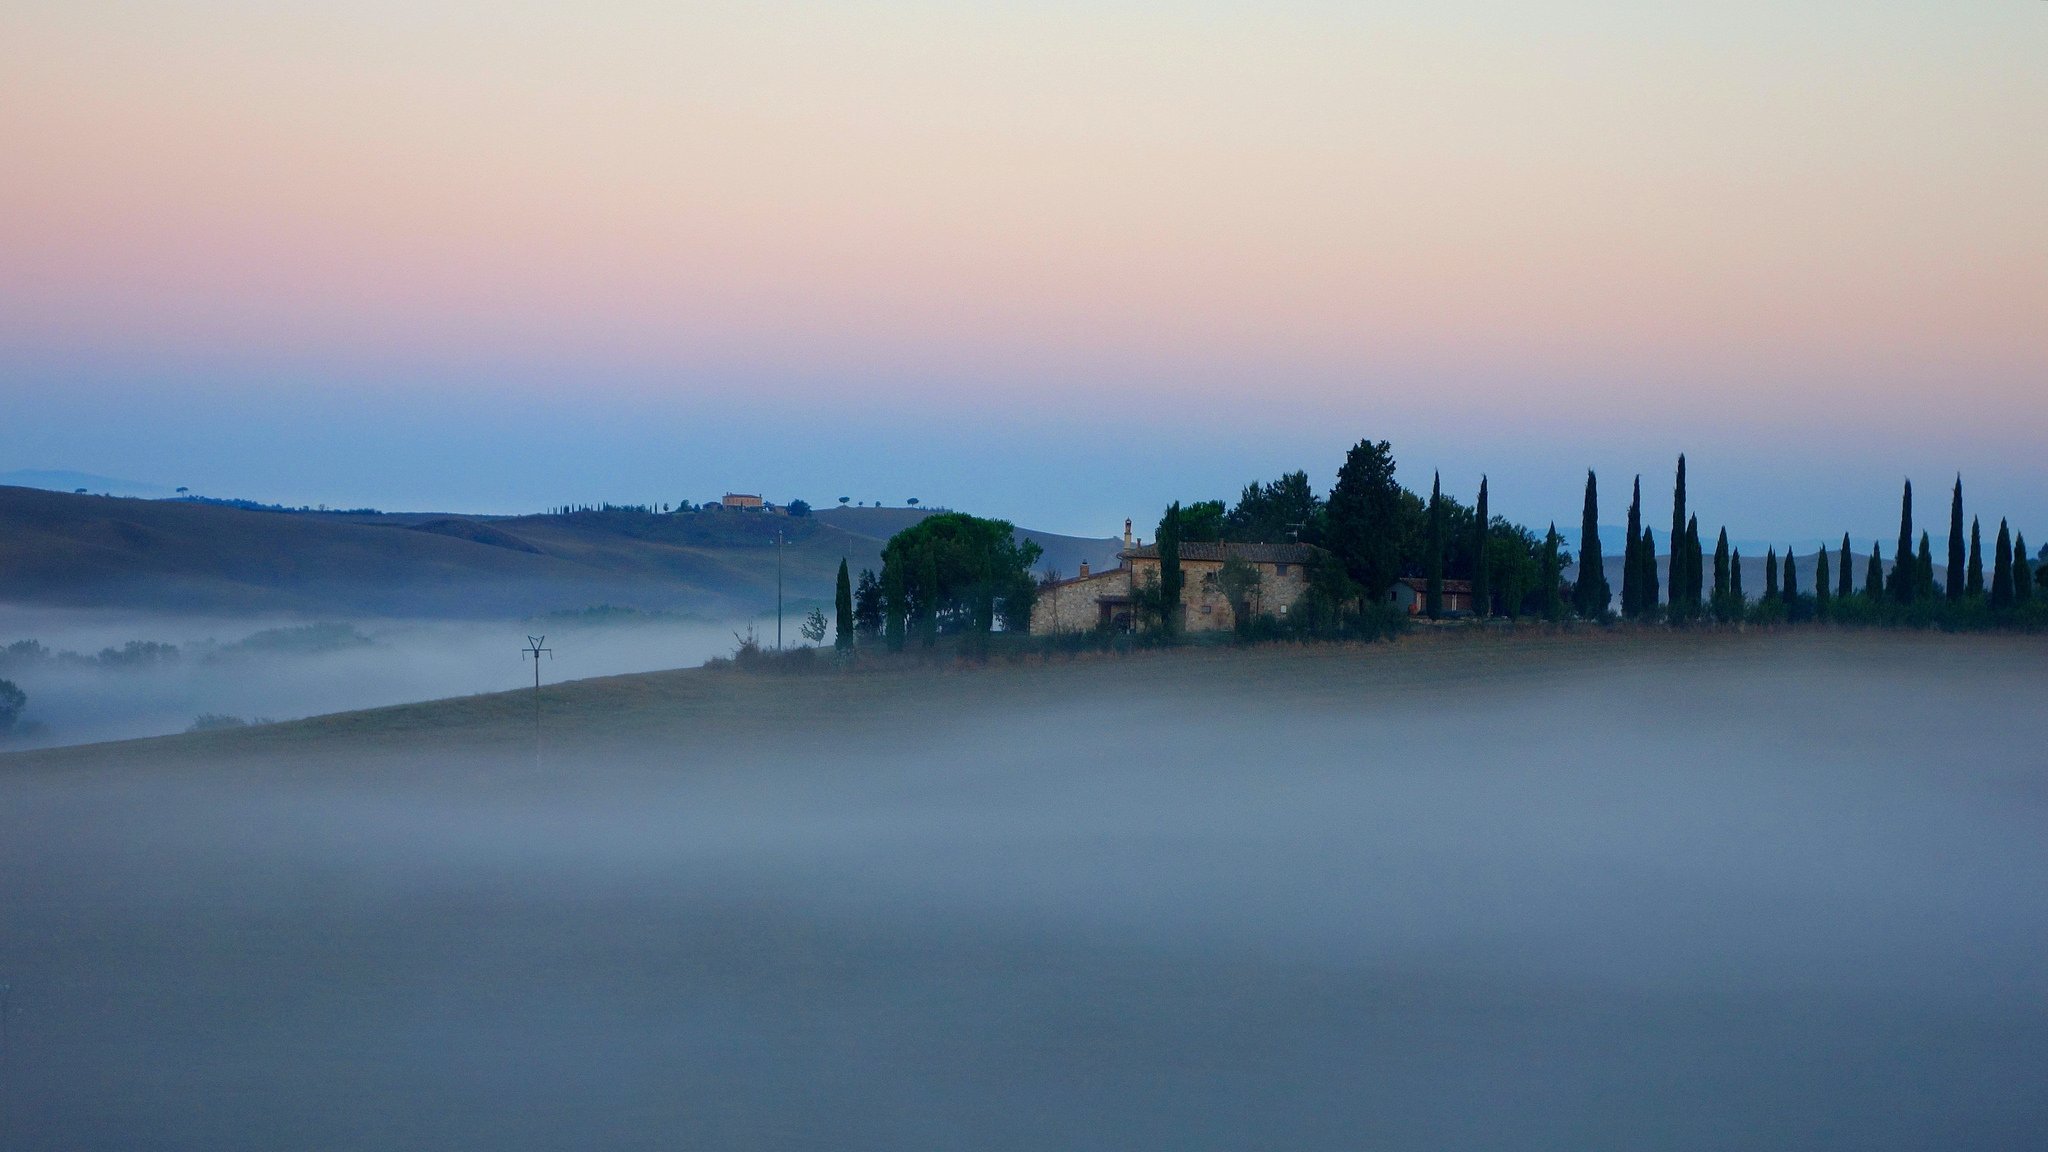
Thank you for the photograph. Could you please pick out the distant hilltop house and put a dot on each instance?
(1093, 600)
(743, 500)
(1411, 595)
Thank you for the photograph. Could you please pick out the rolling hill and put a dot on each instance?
(97, 551)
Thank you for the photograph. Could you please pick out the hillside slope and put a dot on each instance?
(96, 551)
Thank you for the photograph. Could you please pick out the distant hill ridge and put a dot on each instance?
(97, 551)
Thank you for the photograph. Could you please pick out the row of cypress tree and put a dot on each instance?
(2015, 576)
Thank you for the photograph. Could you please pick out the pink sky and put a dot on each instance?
(1606, 221)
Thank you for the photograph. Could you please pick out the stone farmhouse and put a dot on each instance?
(1093, 600)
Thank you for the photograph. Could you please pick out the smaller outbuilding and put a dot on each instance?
(1411, 595)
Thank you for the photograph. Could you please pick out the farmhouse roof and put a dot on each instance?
(1251, 553)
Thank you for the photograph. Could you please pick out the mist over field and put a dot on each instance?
(1740, 892)
(282, 668)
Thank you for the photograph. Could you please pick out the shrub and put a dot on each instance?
(12, 701)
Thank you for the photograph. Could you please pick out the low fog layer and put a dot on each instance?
(1793, 902)
(161, 673)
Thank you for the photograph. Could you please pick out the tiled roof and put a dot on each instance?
(1252, 553)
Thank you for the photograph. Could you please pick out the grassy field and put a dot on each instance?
(820, 704)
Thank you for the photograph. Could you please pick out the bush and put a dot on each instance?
(12, 701)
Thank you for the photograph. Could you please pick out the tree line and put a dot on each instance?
(1372, 531)
(954, 573)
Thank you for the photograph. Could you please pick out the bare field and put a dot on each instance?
(1584, 891)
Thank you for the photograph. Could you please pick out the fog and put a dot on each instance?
(278, 668)
(1793, 903)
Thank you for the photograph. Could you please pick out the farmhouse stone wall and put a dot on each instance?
(1204, 606)
(1073, 605)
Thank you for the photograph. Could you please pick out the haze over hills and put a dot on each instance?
(82, 550)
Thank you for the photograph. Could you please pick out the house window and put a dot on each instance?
(1280, 570)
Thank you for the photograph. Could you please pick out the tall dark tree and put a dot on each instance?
(1905, 570)
(2001, 572)
(1276, 513)
(926, 600)
(1171, 580)
(1632, 557)
(1845, 583)
(1482, 574)
(1738, 600)
(1695, 568)
(868, 611)
(1721, 605)
(1592, 595)
(1433, 601)
(1820, 582)
(1771, 576)
(2022, 571)
(896, 601)
(1873, 573)
(843, 600)
(1364, 515)
(959, 573)
(1955, 542)
(1553, 574)
(1974, 582)
(1679, 580)
(1924, 565)
(1648, 585)
(1790, 590)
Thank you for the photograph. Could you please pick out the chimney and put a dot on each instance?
(1127, 531)
(1084, 569)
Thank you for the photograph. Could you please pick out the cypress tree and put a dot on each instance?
(1721, 576)
(1482, 584)
(2022, 571)
(1905, 576)
(1975, 584)
(2001, 572)
(1955, 542)
(843, 600)
(1738, 600)
(1770, 576)
(1592, 595)
(1820, 582)
(895, 605)
(1873, 573)
(1632, 558)
(1553, 575)
(1695, 568)
(1679, 579)
(1924, 566)
(1171, 580)
(1433, 601)
(1844, 586)
(1791, 586)
(1648, 588)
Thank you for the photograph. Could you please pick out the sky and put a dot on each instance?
(1055, 262)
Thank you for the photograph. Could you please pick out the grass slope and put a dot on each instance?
(683, 713)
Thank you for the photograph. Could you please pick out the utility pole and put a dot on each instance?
(533, 648)
(778, 589)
